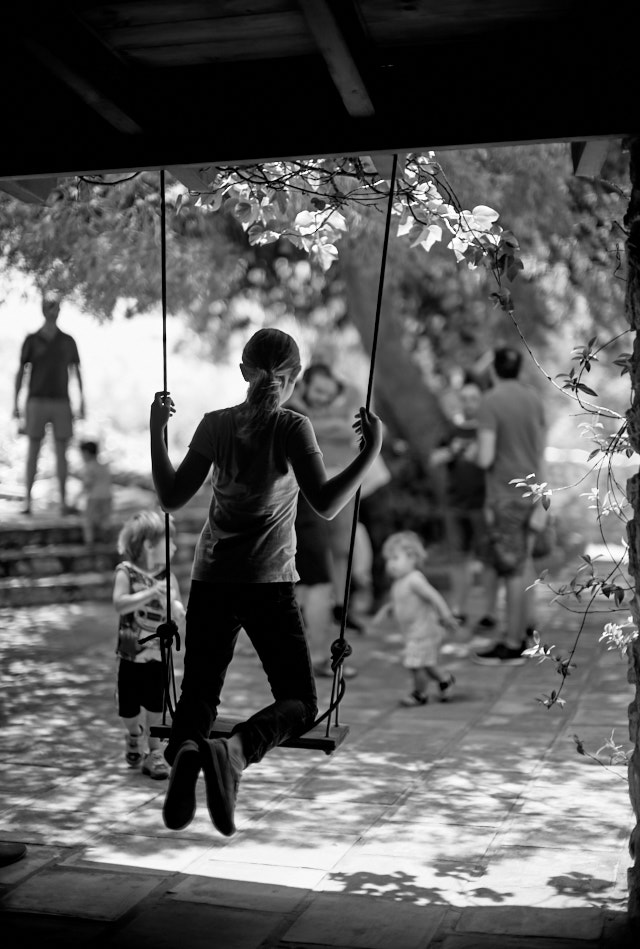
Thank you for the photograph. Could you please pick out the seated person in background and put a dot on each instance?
(331, 405)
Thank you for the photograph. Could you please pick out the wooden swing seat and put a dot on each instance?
(316, 739)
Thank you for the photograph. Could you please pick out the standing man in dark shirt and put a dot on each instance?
(51, 355)
(511, 444)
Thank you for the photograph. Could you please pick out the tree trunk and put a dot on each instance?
(632, 221)
(401, 395)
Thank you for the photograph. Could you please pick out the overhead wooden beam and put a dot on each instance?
(192, 177)
(30, 190)
(59, 44)
(335, 51)
(383, 163)
(589, 157)
(85, 89)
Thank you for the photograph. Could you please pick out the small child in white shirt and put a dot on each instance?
(420, 612)
(97, 491)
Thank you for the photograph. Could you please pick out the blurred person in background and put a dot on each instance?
(51, 357)
(331, 405)
(510, 445)
(465, 515)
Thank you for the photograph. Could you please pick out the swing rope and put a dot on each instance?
(340, 648)
(167, 631)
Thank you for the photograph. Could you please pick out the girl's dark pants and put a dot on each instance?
(269, 614)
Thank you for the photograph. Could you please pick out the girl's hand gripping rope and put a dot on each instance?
(162, 408)
(368, 428)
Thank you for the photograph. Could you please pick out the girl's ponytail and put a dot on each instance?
(269, 355)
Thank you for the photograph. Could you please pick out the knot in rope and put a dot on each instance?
(340, 650)
(167, 633)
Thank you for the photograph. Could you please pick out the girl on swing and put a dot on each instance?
(243, 573)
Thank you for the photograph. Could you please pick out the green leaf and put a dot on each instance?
(514, 269)
(586, 389)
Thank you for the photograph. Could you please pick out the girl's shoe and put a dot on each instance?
(133, 753)
(155, 766)
(221, 779)
(416, 698)
(180, 801)
(445, 688)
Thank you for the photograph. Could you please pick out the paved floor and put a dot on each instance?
(468, 824)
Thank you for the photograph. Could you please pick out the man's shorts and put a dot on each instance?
(140, 685)
(509, 538)
(56, 412)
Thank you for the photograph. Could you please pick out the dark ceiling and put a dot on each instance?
(91, 86)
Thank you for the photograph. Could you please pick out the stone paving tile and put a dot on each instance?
(477, 808)
(421, 881)
(557, 832)
(470, 777)
(147, 819)
(494, 941)
(64, 829)
(31, 781)
(427, 839)
(173, 923)
(541, 877)
(51, 932)
(261, 845)
(617, 933)
(531, 919)
(260, 887)
(89, 894)
(365, 923)
(504, 786)
(302, 816)
(35, 858)
(609, 805)
(335, 790)
(151, 853)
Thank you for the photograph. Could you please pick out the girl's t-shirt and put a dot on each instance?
(249, 535)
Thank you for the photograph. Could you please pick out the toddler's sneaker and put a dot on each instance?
(155, 766)
(416, 698)
(134, 748)
(445, 688)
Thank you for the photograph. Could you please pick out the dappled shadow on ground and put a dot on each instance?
(419, 808)
(387, 910)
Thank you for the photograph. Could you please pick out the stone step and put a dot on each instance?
(42, 559)
(70, 532)
(70, 587)
(63, 588)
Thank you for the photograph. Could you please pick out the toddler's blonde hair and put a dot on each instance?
(407, 541)
(146, 525)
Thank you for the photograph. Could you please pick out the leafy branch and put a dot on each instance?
(616, 754)
(313, 202)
